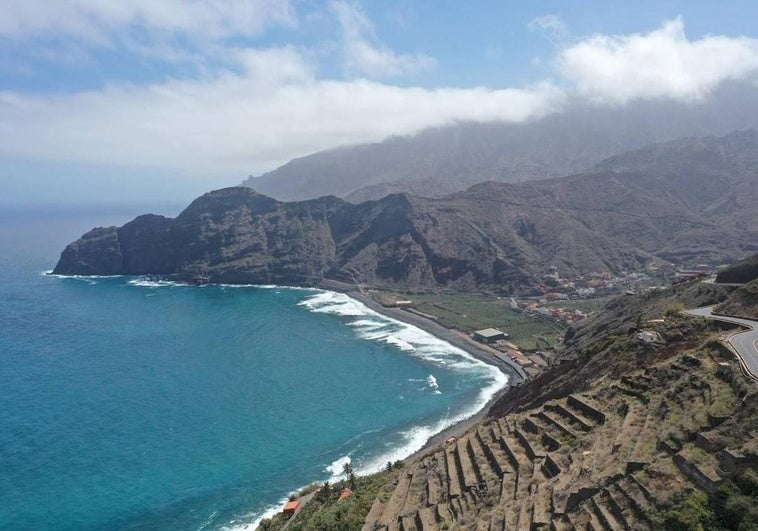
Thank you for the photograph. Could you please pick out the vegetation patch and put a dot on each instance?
(471, 311)
(325, 511)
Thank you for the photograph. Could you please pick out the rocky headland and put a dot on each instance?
(678, 202)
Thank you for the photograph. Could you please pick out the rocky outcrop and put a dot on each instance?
(96, 253)
(232, 235)
(743, 302)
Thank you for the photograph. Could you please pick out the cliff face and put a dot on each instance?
(231, 235)
(690, 200)
(236, 235)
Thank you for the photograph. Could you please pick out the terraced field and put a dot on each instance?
(587, 461)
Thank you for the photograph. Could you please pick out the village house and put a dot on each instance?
(489, 335)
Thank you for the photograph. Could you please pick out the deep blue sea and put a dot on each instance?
(131, 404)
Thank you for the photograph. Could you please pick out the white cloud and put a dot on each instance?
(272, 66)
(661, 64)
(551, 25)
(241, 122)
(258, 108)
(96, 20)
(365, 53)
(250, 110)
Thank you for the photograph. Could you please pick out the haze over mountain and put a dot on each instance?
(684, 200)
(443, 160)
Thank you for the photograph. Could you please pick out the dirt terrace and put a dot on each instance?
(602, 460)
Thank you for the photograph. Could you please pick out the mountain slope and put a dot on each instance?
(743, 271)
(447, 159)
(237, 235)
(494, 236)
(617, 434)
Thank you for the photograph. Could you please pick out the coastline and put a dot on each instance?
(451, 337)
(454, 338)
(514, 372)
(511, 369)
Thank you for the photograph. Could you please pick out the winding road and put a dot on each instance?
(744, 343)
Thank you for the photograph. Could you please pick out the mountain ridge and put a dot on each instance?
(446, 159)
(493, 236)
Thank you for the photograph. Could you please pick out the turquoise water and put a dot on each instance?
(131, 404)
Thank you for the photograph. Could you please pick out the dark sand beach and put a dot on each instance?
(483, 353)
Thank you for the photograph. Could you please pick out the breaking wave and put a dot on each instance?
(373, 326)
(144, 282)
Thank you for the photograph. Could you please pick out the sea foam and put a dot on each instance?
(373, 326)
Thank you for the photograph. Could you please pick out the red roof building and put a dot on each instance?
(291, 507)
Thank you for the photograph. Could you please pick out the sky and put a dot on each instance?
(139, 101)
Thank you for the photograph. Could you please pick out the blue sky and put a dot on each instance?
(136, 100)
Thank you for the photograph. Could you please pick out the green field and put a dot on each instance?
(468, 312)
(584, 305)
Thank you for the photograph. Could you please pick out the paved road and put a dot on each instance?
(745, 343)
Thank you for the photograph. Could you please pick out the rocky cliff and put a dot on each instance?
(683, 201)
(231, 235)
(236, 235)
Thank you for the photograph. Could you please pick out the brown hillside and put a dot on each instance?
(740, 272)
(494, 236)
(628, 432)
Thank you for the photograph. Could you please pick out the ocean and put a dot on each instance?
(127, 403)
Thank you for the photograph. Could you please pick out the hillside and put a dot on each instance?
(238, 236)
(680, 202)
(448, 159)
(740, 272)
(621, 434)
(742, 303)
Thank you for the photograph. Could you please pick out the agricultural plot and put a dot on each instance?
(469, 311)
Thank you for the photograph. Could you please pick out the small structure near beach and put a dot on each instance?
(346, 493)
(489, 335)
(291, 507)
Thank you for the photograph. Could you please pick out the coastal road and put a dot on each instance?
(745, 343)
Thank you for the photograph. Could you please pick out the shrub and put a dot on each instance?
(748, 482)
(690, 512)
